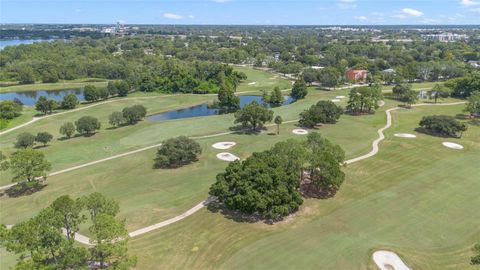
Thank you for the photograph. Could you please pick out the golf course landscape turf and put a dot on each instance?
(410, 198)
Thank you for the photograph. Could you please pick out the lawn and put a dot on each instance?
(415, 197)
(399, 199)
(73, 84)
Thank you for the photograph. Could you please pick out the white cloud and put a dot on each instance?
(468, 3)
(476, 10)
(172, 16)
(398, 16)
(191, 17)
(412, 12)
(221, 1)
(361, 18)
(348, 1)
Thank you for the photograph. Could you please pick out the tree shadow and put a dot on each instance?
(40, 146)
(309, 190)
(218, 207)
(242, 130)
(24, 189)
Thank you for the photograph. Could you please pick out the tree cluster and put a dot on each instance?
(324, 112)
(364, 99)
(253, 116)
(47, 241)
(442, 125)
(129, 115)
(270, 184)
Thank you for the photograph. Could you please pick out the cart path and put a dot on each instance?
(85, 240)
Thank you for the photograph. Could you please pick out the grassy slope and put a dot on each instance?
(73, 84)
(415, 197)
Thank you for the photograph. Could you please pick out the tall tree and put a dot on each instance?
(299, 89)
(473, 104)
(29, 165)
(70, 212)
(25, 140)
(253, 115)
(278, 121)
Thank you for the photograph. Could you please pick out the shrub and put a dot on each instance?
(177, 152)
(69, 101)
(43, 137)
(10, 109)
(116, 119)
(443, 125)
(134, 114)
(25, 140)
(67, 129)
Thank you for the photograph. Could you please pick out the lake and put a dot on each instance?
(204, 110)
(14, 42)
(30, 97)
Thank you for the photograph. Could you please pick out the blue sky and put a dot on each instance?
(317, 12)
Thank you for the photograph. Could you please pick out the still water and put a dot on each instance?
(30, 97)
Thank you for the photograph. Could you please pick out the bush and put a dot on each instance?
(67, 129)
(87, 125)
(443, 125)
(299, 89)
(177, 152)
(116, 119)
(325, 111)
(10, 109)
(25, 140)
(45, 105)
(90, 93)
(134, 114)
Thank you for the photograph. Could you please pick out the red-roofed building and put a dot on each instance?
(354, 75)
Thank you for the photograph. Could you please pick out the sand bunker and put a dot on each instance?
(223, 145)
(227, 156)
(339, 97)
(452, 145)
(387, 260)
(252, 83)
(300, 131)
(404, 135)
(335, 100)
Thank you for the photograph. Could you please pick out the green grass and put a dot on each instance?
(263, 80)
(415, 197)
(73, 84)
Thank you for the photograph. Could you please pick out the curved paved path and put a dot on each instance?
(85, 240)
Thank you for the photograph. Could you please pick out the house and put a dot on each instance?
(475, 64)
(355, 75)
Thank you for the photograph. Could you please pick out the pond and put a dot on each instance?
(14, 42)
(30, 97)
(204, 110)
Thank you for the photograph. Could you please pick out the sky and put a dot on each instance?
(242, 12)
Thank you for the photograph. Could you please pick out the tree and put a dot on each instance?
(443, 125)
(400, 90)
(410, 97)
(473, 104)
(25, 140)
(299, 89)
(87, 125)
(26, 75)
(67, 129)
(464, 87)
(111, 238)
(134, 113)
(102, 93)
(176, 152)
(69, 101)
(364, 99)
(278, 121)
(324, 161)
(112, 88)
(228, 100)
(328, 77)
(439, 91)
(309, 75)
(45, 105)
(116, 119)
(69, 211)
(29, 165)
(90, 93)
(10, 109)
(276, 98)
(123, 88)
(253, 115)
(43, 137)
(263, 185)
(96, 203)
(325, 111)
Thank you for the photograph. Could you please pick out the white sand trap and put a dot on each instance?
(300, 131)
(387, 260)
(339, 97)
(335, 100)
(252, 83)
(452, 145)
(227, 156)
(381, 103)
(224, 145)
(404, 135)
